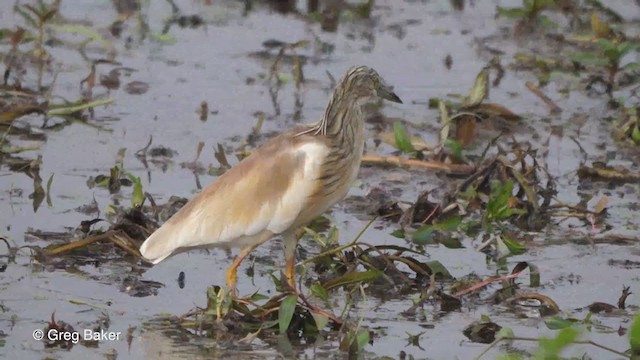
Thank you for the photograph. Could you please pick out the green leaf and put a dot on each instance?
(512, 13)
(103, 183)
(212, 299)
(634, 335)
(534, 276)
(502, 248)
(138, 195)
(10, 149)
(589, 59)
(284, 77)
(607, 45)
(437, 268)
(515, 248)
(258, 297)
(613, 56)
(498, 204)
(285, 314)
(166, 39)
(110, 210)
(450, 224)
(465, 226)
(455, 148)
(403, 142)
(424, 235)
(547, 23)
(635, 134)
(49, 183)
(399, 233)
(557, 323)
(319, 291)
(276, 281)
(362, 338)
(451, 242)
(625, 47)
(433, 102)
(320, 320)
(505, 332)
(551, 348)
(70, 109)
(353, 277)
(539, 5)
(479, 90)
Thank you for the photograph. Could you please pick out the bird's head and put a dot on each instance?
(364, 83)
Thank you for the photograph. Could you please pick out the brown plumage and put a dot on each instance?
(281, 186)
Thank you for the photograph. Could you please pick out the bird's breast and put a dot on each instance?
(332, 181)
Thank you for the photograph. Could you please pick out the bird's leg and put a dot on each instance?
(290, 242)
(232, 278)
(289, 272)
(232, 271)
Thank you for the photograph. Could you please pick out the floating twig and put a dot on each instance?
(486, 282)
(66, 110)
(77, 244)
(555, 109)
(117, 237)
(456, 169)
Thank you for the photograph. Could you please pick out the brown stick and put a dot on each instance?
(78, 244)
(457, 169)
(320, 311)
(486, 282)
(117, 237)
(123, 240)
(550, 103)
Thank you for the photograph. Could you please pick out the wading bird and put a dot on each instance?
(281, 187)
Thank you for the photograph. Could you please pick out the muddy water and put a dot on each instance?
(407, 43)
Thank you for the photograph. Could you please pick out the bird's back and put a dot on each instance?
(263, 195)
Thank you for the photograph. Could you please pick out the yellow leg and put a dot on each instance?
(289, 272)
(232, 278)
(290, 240)
(232, 271)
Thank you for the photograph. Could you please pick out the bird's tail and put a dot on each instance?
(161, 244)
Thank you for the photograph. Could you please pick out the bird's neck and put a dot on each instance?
(340, 114)
(343, 120)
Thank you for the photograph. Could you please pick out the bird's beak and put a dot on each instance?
(387, 93)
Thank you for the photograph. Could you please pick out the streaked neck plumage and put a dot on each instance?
(343, 119)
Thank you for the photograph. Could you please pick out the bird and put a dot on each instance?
(280, 187)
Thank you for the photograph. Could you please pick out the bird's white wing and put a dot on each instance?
(266, 192)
